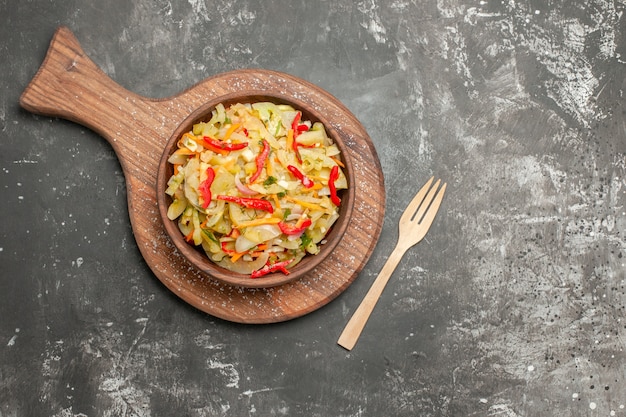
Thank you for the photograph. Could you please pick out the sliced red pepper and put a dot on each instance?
(205, 187)
(290, 229)
(268, 269)
(226, 250)
(260, 161)
(306, 181)
(252, 203)
(295, 126)
(296, 151)
(334, 176)
(221, 147)
(311, 146)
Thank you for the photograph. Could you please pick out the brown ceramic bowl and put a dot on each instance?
(196, 255)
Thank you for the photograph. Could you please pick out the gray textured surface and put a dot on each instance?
(514, 305)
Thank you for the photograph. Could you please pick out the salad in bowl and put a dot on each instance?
(256, 187)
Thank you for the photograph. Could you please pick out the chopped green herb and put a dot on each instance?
(306, 240)
(269, 181)
(208, 233)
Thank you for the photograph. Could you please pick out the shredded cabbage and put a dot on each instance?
(251, 186)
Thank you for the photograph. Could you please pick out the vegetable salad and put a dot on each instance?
(256, 186)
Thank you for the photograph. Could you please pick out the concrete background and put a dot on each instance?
(514, 304)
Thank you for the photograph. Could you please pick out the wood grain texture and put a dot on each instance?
(69, 85)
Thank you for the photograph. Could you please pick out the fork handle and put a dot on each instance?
(357, 322)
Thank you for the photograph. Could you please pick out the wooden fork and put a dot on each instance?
(414, 223)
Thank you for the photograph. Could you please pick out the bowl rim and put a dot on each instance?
(195, 255)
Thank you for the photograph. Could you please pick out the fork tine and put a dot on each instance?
(415, 203)
(434, 207)
(417, 216)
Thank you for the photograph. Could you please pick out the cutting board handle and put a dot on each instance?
(71, 86)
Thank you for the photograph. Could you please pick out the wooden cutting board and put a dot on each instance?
(71, 86)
